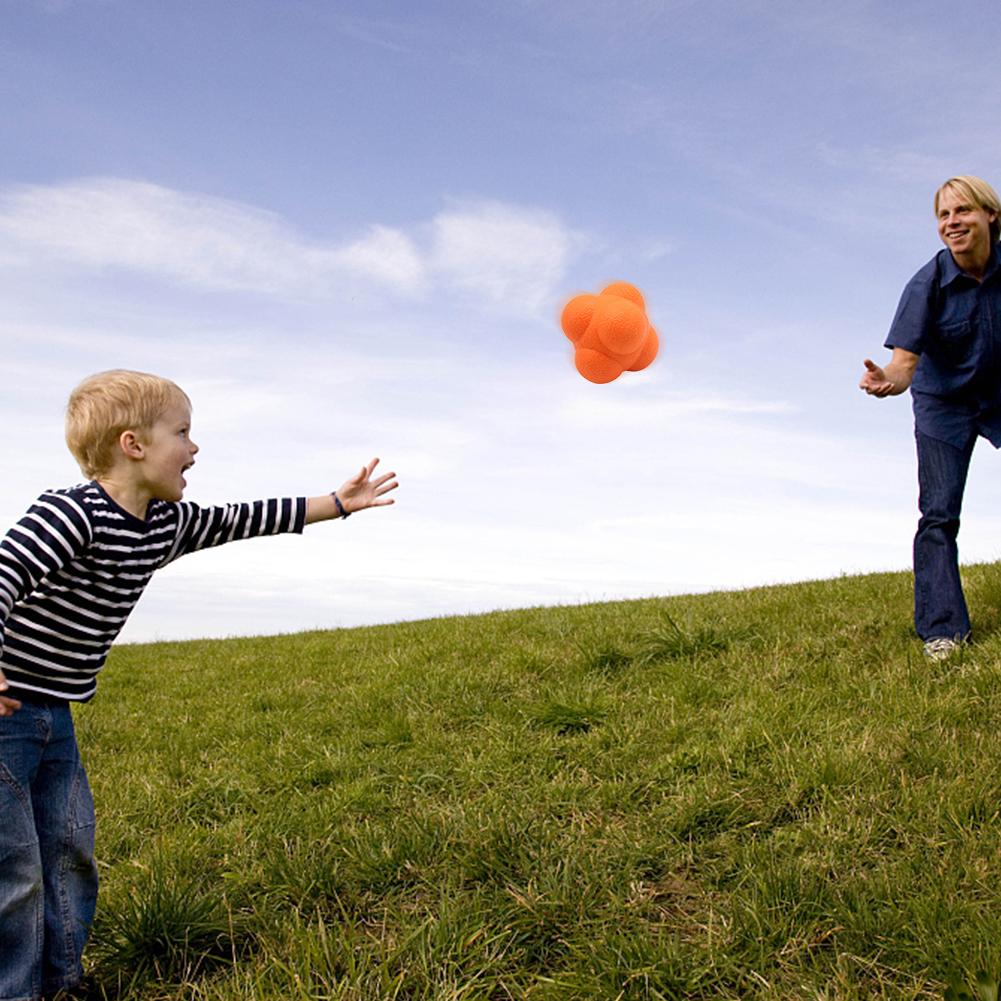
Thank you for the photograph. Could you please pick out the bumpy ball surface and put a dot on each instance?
(577, 315)
(610, 332)
(647, 353)
(625, 291)
(621, 326)
(596, 367)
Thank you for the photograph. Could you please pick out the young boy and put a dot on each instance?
(71, 570)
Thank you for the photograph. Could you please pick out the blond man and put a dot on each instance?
(946, 343)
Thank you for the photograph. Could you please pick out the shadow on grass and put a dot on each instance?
(566, 718)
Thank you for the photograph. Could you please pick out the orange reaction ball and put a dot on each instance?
(610, 332)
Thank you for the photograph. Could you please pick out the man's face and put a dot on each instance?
(964, 226)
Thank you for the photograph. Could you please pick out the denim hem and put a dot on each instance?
(66, 983)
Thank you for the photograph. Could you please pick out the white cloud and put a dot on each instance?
(510, 255)
(386, 255)
(195, 239)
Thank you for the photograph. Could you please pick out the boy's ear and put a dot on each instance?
(131, 445)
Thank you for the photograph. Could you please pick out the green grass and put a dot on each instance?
(761, 794)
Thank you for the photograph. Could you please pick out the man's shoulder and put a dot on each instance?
(931, 272)
(993, 276)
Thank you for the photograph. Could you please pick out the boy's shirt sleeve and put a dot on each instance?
(204, 527)
(52, 533)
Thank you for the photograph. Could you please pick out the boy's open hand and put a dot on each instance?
(8, 706)
(361, 491)
(356, 494)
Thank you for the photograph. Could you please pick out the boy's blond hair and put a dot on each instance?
(980, 193)
(108, 403)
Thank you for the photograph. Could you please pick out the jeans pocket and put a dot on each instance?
(18, 828)
(81, 813)
(80, 830)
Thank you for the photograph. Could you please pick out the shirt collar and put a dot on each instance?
(995, 262)
(951, 270)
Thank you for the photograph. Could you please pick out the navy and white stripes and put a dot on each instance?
(73, 568)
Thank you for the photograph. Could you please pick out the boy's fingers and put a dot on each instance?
(8, 706)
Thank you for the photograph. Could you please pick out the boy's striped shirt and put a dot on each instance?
(73, 568)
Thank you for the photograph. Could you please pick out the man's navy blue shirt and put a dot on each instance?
(954, 323)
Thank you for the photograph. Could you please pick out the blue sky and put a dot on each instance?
(348, 229)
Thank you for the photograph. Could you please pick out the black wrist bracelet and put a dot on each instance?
(340, 506)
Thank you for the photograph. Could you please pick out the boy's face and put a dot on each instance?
(169, 452)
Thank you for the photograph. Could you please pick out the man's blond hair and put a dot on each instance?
(105, 405)
(978, 192)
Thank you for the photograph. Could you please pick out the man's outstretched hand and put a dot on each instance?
(892, 380)
(874, 380)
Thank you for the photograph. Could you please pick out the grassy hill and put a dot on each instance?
(759, 794)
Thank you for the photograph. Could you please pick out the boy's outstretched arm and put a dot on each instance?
(355, 494)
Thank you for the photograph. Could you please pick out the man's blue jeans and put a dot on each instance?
(48, 879)
(939, 605)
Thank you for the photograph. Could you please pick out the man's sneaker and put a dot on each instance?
(940, 648)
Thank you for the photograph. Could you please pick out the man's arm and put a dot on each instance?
(355, 494)
(892, 380)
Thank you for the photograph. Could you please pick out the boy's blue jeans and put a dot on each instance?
(939, 605)
(48, 879)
